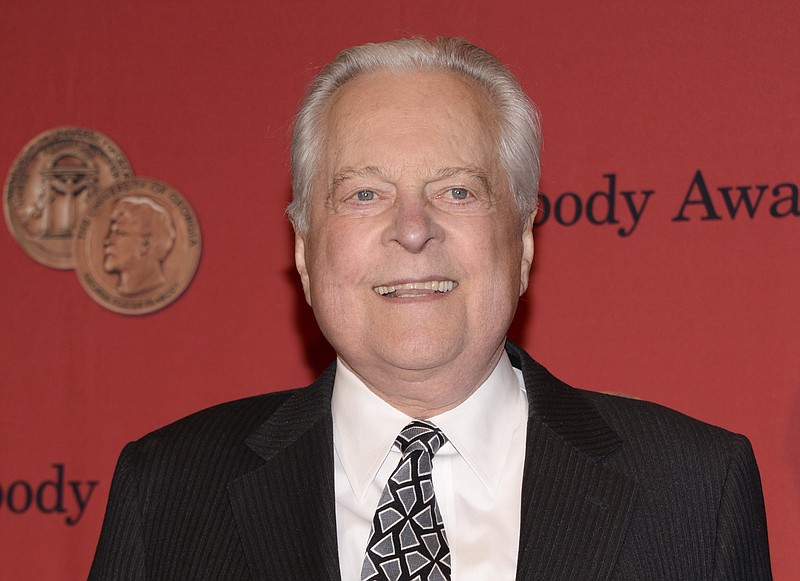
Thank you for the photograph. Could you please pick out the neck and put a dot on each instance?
(142, 280)
(422, 394)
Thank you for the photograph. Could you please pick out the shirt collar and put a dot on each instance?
(365, 426)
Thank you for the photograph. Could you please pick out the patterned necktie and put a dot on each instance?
(407, 541)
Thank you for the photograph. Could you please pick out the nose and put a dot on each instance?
(413, 223)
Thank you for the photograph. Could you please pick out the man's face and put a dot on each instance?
(122, 244)
(415, 256)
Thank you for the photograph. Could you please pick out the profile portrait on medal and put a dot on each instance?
(140, 236)
(137, 246)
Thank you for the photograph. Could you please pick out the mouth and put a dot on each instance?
(416, 289)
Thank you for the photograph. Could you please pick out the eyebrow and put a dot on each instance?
(473, 172)
(348, 173)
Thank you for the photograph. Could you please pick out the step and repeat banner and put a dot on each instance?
(667, 238)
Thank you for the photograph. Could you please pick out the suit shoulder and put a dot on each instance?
(630, 415)
(670, 442)
(598, 419)
(218, 429)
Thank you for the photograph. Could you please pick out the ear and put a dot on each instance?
(527, 252)
(144, 247)
(300, 264)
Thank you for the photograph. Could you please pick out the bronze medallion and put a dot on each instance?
(49, 185)
(137, 246)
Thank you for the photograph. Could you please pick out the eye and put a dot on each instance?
(459, 193)
(365, 195)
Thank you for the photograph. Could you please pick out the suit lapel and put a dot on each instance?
(574, 509)
(285, 510)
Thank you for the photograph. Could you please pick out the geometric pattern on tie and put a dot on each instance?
(407, 541)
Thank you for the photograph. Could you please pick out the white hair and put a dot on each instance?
(517, 119)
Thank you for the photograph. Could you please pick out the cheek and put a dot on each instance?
(335, 268)
(336, 271)
(124, 246)
(499, 245)
(499, 265)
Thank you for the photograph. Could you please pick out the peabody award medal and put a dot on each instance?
(137, 246)
(49, 185)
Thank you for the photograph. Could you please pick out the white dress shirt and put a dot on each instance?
(477, 474)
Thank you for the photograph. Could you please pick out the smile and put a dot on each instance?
(416, 289)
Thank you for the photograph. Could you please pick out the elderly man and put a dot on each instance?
(433, 448)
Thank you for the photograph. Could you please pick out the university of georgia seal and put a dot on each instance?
(49, 187)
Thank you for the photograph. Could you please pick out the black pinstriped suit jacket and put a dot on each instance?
(613, 489)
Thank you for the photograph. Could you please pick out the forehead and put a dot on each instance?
(413, 87)
(124, 215)
(410, 114)
(119, 213)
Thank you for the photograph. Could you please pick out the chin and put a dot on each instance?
(422, 353)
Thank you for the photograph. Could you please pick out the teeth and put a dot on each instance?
(439, 286)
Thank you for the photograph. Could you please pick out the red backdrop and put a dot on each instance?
(695, 308)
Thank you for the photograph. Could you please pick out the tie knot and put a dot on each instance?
(422, 436)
